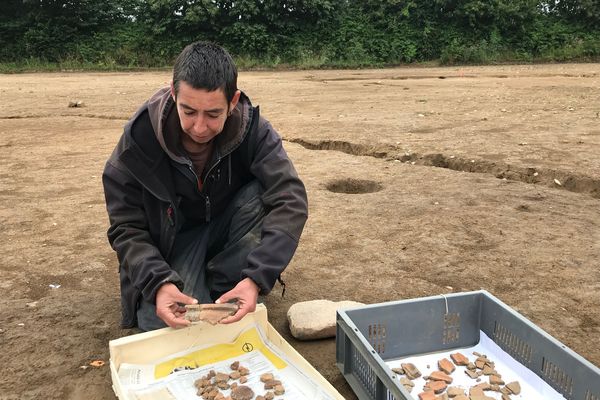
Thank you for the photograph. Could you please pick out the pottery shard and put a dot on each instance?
(272, 384)
(472, 374)
(242, 393)
(279, 390)
(446, 365)
(437, 386)
(480, 363)
(266, 377)
(410, 370)
(427, 395)
(221, 377)
(461, 397)
(496, 380)
(211, 313)
(315, 319)
(399, 371)
(454, 391)
(406, 382)
(440, 376)
(514, 387)
(459, 359)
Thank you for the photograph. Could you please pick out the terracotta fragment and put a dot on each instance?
(487, 370)
(242, 393)
(211, 313)
(475, 391)
(427, 395)
(437, 386)
(461, 397)
(440, 376)
(272, 383)
(472, 374)
(454, 391)
(266, 377)
(446, 365)
(235, 375)
(514, 387)
(269, 396)
(235, 365)
(399, 370)
(279, 390)
(496, 380)
(411, 371)
(459, 359)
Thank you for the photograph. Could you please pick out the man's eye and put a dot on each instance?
(213, 116)
(189, 112)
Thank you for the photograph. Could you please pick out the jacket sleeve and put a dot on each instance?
(285, 204)
(139, 256)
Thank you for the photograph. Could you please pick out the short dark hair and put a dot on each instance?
(205, 65)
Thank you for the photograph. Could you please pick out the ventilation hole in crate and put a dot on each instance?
(389, 395)
(557, 378)
(451, 332)
(364, 373)
(510, 343)
(590, 396)
(377, 335)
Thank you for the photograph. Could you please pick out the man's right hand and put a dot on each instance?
(168, 308)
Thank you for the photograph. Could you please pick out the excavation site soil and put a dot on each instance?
(421, 181)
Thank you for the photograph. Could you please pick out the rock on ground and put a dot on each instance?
(315, 319)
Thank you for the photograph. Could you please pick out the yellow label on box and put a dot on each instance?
(245, 343)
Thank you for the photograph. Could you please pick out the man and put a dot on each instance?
(204, 203)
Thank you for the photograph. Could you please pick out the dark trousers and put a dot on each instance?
(210, 258)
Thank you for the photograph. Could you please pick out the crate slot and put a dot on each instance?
(556, 377)
(451, 332)
(510, 343)
(590, 396)
(390, 396)
(377, 336)
(364, 373)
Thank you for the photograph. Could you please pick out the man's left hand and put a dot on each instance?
(246, 294)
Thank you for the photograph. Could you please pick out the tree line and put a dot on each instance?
(304, 33)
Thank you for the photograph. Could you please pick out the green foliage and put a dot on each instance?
(112, 34)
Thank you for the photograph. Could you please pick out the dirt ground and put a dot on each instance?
(484, 177)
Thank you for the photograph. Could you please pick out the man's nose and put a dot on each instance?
(199, 123)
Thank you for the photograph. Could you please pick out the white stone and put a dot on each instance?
(315, 319)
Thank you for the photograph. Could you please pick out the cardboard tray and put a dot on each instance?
(146, 347)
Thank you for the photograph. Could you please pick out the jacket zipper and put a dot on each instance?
(203, 192)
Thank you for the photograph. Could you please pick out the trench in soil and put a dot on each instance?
(567, 180)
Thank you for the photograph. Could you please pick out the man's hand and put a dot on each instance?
(168, 308)
(246, 294)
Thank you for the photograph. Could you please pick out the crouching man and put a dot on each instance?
(203, 201)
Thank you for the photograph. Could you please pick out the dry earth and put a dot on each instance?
(487, 177)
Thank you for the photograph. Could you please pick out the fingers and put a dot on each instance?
(241, 313)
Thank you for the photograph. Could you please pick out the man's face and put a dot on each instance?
(202, 114)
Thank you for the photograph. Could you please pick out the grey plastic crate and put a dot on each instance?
(369, 335)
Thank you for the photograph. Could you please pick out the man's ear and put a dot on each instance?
(173, 92)
(234, 100)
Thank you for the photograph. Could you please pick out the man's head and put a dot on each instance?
(205, 90)
(207, 66)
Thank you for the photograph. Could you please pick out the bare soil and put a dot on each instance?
(421, 181)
